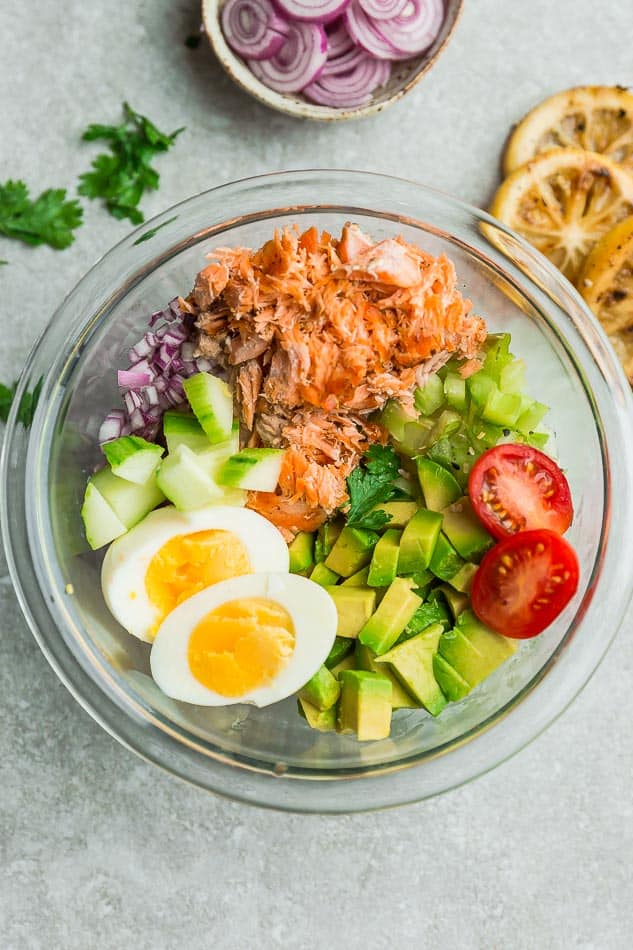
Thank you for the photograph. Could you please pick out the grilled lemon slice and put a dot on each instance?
(563, 201)
(606, 283)
(596, 118)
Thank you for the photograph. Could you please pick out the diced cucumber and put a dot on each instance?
(455, 391)
(212, 403)
(418, 541)
(430, 397)
(502, 409)
(181, 428)
(129, 501)
(323, 576)
(185, 482)
(252, 469)
(100, 522)
(301, 550)
(394, 418)
(439, 487)
(133, 458)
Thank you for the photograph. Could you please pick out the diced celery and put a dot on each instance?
(498, 355)
(512, 377)
(531, 417)
(430, 397)
(394, 418)
(455, 391)
(446, 424)
(502, 408)
(479, 386)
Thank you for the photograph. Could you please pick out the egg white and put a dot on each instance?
(127, 559)
(312, 612)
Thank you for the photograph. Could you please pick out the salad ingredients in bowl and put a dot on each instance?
(328, 480)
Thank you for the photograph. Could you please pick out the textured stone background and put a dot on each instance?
(100, 850)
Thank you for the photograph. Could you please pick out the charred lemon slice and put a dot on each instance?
(596, 118)
(606, 283)
(563, 201)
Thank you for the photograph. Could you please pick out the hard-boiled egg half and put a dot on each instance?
(172, 555)
(253, 639)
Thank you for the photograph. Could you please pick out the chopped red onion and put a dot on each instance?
(133, 379)
(253, 28)
(298, 62)
(412, 31)
(316, 11)
(383, 9)
(112, 426)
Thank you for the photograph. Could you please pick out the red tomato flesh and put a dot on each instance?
(517, 488)
(524, 582)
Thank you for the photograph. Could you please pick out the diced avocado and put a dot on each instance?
(455, 391)
(448, 679)
(323, 575)
(133, 458)
(464, 530)
(354, 605)
(129, 502)
(401, 512)
(322, 689)
(351, 551)
(365, 705)
(454, 453)
(422, 582)
(365, 660)
(323, 720)
(463, 580)
(412, 663)
(390, 618)
(252, 469)
(434, 611)
(409, 487)
(445, 562)
(446, 424)
(301, 551)
(100, 522)
(212, 403)
(502, 409)
(418, 541)
(473, 650)
(341, 648)
(439, 487)
(185, 482)
(359, 579)
(347, 663)
(326, 538)
(416, 437)
(456, 601)
(430, 397)
(394, 418)
(181, 428)
(384, 560)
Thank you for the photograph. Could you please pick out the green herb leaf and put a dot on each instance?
(152, 231)
(50, 219)
(122, 176)
(370, 485)
(6, 398)
(28, 403)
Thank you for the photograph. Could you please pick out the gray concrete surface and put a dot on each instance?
(100, 850)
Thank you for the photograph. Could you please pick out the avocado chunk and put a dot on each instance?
(401, 512)
(448, 679)
(456, 601)
(322, 689)
(418, 541)
(326, 539)
(301, 550)
(384, 560)
(473, 650)
(323, 576)
(396, 609)
(341, 648)
(464, 530)
(438, 485)
(433, 611)
(445, 561)
(463, 580)
(347, 663)
(351, 551)
(412, 662)
(365, 660)
(323, 720)
(422, 582)
(354, 605)
(359, 579)
(365, 705)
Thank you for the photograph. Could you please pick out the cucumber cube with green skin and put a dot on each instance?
(100, 522)
(185, 483)
(430, 397)
(384, 560)
(129, 501)
(322, 689)
(323, 720)
(212, 403)
(445, 562)
(252, 469)
(354, 606)
(365, 705)
(365, 660)
(439, 487)
(463, 580)
(456, 601)
(394, 418)
(323, 576)
(341, 648)
(412, 663)
(418, 541)
(301, 551)
(352, 550)
(326, 538)
(464, 530)
(359, 579)
(394, 612)
(400, 512)
(448, 679)
(455, 391)
(181, 428)
(133, 458)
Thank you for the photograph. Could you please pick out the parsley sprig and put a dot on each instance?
(122, 176)
(28, 403)
(49, 219)
(372, 484)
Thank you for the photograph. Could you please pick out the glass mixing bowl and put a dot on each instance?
(269, 756)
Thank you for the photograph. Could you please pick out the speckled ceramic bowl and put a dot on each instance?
(404, 77)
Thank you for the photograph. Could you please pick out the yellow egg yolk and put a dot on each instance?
(241, 645)
(188, 563)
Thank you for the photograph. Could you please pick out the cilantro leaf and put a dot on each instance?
(6, 398)
(370, 485)
(50, 219)
(28, 403)
(121, 176)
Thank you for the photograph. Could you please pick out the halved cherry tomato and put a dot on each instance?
(524, 582)
(517, 488)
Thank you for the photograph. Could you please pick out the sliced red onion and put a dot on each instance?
(252, 28)
(352, 88)
(365, 33)
(413, 30)
(317, 11)
(298, 62)
(383, 9)
(344, 63)
(338, 39)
